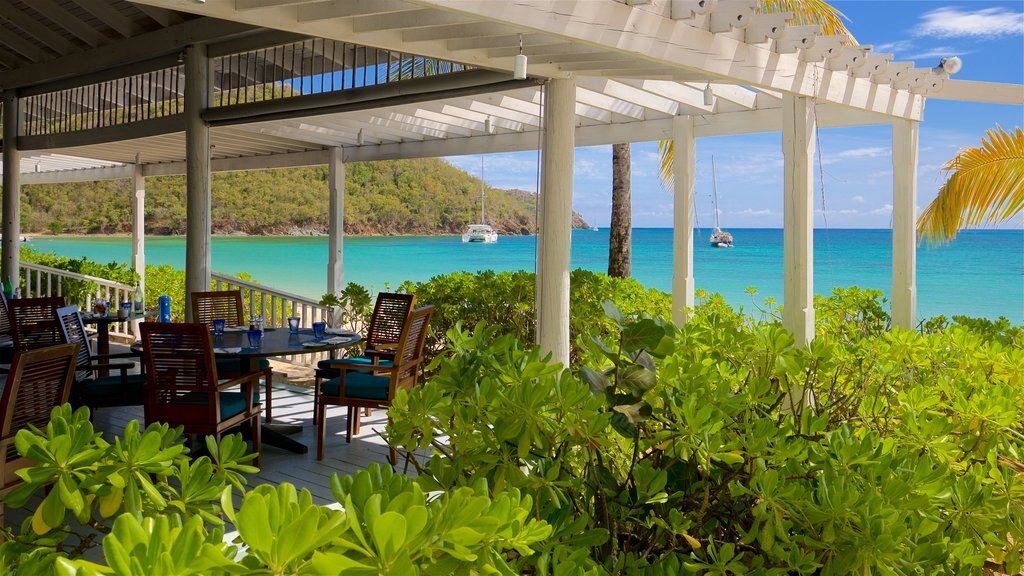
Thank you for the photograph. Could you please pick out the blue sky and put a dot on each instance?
(989, 36)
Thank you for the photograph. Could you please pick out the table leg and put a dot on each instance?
(102, 342)
(275, 434)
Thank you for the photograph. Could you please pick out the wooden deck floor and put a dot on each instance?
(295, 406)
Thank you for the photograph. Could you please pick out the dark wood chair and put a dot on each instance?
(390, 312)
(183, 387)
(34, 322)
(227, 304)
(39, 380)
(90, 387)
(6, 335)
(374, 386)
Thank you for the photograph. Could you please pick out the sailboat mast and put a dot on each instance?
(482, 220)
(714, 188)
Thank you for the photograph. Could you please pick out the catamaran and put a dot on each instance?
(480, 232)
(719, 238)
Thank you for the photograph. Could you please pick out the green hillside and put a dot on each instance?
(427, 196)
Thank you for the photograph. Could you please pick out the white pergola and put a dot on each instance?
(600, 72)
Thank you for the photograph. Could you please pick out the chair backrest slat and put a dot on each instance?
(410, 348)
(5, 319)
(74, 332)
(389, 315)
(34, 322)
(39, 380)
(181, 376)
(226, 304)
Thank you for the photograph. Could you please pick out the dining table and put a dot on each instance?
(103, 322)
(234, 343)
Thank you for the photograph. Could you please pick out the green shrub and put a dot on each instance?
(722, 448)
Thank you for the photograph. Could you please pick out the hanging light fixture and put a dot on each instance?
(519, 70)
(359, 137)
(487, 125)
(950, 65)
(709, 96)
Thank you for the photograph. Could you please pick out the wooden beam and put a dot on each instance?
(973, 91)
(197, 176)
(684, 171)
(79, 175)
(33, 28)
(28, 50)
(57, 14)
(141, 48)
(161, 16)
(139, 224)
(555, 233)
(10, 262)
(131, 131)
(109, 16)
(330, 9)
(257, 4)
(904, 223)
(798, 133)
(336, 222)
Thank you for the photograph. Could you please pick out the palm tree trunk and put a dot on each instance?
(620, 235)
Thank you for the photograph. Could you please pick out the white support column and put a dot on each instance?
(197, 175)
(555, 235)
(139, 224)
(798, 143)
(684, 171)
(336, 221)
(904, 229)
(10, 267)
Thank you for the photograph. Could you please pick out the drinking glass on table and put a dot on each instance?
(218, 326)
(255, 338)
(319, 329)
(293, 324)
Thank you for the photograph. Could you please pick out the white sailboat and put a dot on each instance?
(480, 232)
(719, 238)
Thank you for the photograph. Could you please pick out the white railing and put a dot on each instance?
(276, 306)
(43, 281)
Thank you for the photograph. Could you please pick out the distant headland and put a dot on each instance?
(397, 197)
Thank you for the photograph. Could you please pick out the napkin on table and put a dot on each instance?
(226, 350)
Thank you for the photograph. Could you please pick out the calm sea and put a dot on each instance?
(980, 274)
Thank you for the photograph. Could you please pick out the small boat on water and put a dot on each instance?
(22, 238)
(482, 232)
(719, 237)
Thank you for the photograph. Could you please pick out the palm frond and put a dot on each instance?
(986, 186)
(811, 12)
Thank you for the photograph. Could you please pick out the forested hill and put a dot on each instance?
(427, 196)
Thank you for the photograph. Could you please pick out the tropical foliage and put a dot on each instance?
(721, 448)
(157, 511)
(426, 196)
(986, 185)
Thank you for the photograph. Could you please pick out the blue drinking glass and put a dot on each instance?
(255, 338)
(293, 324)
(319, 329)
(218, 326)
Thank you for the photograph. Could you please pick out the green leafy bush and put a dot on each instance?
(721, 448)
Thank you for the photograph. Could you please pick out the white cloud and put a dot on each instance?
(937, 52)
(866, 152)
(858, 199)
(884, 209)
(752, 212)
(949, 22)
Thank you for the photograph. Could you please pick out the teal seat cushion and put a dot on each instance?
(359, 385)
(128, 392)
(233, 403)
(229, 367)
(357, 361)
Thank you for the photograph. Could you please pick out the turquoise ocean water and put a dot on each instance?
(980, 274)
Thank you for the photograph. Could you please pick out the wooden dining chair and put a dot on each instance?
(39, 380)
(227, 304)
(90, 388)
(374, 386)
(390, 312)
(183, 387)
(34, 322)
(6, 335)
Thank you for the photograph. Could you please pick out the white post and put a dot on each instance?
(684, 170)
(139, 224)
(798, 124)
(555, 234)
(336, 221)
(197, 175)
(904, 230)
(11, 229)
